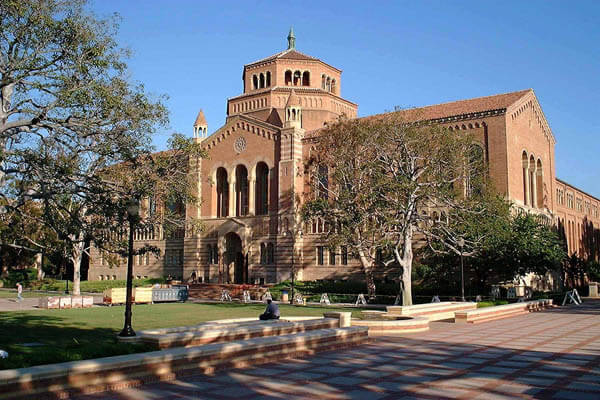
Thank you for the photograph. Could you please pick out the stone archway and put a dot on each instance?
(234, 260)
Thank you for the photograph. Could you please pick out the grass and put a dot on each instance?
(78, 334)
(482, 304)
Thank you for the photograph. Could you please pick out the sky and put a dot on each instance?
(392, 53)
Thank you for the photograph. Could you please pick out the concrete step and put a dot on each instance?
(112, 373)
(218, 333)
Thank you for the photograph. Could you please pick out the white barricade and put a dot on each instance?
(225, 296)
(572, 297)
(246, 297)
(267, 296)
(361, 300)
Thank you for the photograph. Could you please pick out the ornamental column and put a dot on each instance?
(233, 199)
(251, 197)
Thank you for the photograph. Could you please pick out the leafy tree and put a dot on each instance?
(384, 172)
(68, 115)
(513, 244)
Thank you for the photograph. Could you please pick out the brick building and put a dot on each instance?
(251, 182)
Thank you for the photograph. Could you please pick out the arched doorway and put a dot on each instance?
(236, 268)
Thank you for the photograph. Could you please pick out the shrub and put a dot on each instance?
(24, 276)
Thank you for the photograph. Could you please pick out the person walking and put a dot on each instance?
(19, 291)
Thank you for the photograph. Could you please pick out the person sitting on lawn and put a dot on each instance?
(271, 312)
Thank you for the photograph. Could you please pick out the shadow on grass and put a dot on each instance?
(44, 339)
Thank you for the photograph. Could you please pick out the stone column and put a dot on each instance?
(233, 199)
(534, 196)
(251, 197)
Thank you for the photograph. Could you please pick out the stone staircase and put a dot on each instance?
(281, 339)
(212, 291)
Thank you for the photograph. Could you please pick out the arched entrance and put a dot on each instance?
(236, 267)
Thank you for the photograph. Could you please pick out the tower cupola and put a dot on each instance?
(200, 126)
(293, 111)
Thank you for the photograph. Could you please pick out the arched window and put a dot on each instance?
(210, 254)
(323, 182)
(532, 182)
(328, 84)
(254, 82)
(297, 78)
(262, 189)
(475, 171)
(323, 82)
(268, 78)
(288, 78)
(270, 253)
(263, 253)
(262, 80)
(241, 191)
(222, 193)
(539, 181)
(525, 164)
(333, 87)
(306, 78)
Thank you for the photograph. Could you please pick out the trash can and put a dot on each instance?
(284, 296)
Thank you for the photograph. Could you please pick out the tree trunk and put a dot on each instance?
(76, 258)
(404, 257)
(39, 258)
(367, 267)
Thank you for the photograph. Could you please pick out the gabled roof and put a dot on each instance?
(461, 107)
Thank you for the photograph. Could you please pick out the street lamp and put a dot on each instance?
(461, 243)
(289, 232)
(133, 212)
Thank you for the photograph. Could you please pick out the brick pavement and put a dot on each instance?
(549, 355)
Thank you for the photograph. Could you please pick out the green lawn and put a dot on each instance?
(78, 334)
(482, 304)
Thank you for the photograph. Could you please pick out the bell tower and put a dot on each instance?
(293, 112)
(200, 127)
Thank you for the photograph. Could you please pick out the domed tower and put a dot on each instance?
(293, 112)
(200, 126)
(269, 82)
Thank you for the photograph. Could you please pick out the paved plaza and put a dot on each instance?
(553, 354)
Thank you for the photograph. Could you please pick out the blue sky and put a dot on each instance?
(393, 53)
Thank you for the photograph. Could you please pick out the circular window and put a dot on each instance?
(239, 145)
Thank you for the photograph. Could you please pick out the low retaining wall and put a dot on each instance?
(110, 373)
(66, 302)
(433, 311)
(503, 311)
(386, 327)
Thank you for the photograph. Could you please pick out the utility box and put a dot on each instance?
(593, 289)
(175, 293)
(114, 296)
(142, 294)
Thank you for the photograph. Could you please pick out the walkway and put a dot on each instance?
(552, 354)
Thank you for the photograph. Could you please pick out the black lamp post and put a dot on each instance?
(133, 211)
(289, 232)
(461, 244)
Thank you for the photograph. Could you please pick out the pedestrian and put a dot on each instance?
(19, 291)
(271, 312)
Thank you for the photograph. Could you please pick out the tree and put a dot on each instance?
(512, 245)
(68, 112)
(344, 176)
(384, 172)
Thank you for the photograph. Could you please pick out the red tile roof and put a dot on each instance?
(460, 107)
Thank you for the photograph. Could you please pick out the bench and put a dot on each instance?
(504, 311)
